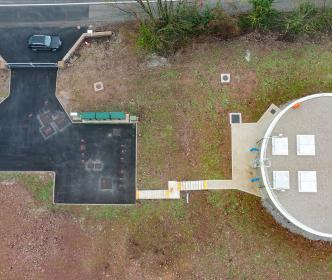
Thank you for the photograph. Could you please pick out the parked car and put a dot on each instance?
(44, 42)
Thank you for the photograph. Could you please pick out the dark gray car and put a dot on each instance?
(44, 42)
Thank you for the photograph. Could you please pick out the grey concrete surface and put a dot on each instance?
(311, 209)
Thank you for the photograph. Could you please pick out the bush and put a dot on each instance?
(307, 20)
(148, 39)
(304, 20)
(171, 26)
(263, 17)
(222, 25)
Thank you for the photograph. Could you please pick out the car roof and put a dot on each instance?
(37, 39)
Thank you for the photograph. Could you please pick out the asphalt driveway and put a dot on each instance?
(94, 163)
(14, 46)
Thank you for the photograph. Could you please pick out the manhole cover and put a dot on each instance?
(98, 86)
(225, 78)
(105, 183)
(116, 132)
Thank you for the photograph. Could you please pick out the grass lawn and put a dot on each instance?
(184, 134)
(183, 130)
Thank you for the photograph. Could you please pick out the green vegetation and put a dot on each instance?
(40, 185)
(262, 17)
(187, 98)
(279, 86)
(184, 134)
(329, 263)
(172, 24)
(306, 19)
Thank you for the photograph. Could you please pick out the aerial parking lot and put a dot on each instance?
(92, 163)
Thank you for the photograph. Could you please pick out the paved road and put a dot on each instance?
(33, 2)
(14, 15)
(88, 13)
(23, 16)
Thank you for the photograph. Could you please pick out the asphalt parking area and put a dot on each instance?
(93, 163)
(14, 43)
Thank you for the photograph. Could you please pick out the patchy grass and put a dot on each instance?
(184, 134)
(40, 185)
(183, 130)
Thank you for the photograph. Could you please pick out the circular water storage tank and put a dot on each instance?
(298, 184)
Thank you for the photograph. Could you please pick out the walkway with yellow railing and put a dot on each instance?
(244, 137)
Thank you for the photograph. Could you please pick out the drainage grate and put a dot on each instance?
(105, 183)
(235, 118)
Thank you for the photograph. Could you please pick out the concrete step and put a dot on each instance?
(157, 194)
(188, 185)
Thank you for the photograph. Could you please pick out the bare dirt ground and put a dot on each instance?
(36, 244)
(221, 236)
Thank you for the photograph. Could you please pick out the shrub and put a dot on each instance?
(304, 20)
(171, 26)
(263, 17)
(222, 25)
(148, 39)
(307, 20)
(326, 18)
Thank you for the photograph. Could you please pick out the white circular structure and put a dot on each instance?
(308, 209)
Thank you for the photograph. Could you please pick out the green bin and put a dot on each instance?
(118, 116)
(88, 115)
(102, 116)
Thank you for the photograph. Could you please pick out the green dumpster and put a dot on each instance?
(102, 116)
(88, 115)
(118, 116)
